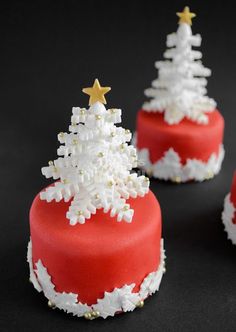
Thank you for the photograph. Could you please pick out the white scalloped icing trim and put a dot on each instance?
(227, 219)
(32, 277)
(120, 299)
(169, 167)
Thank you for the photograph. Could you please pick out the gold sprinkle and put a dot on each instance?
(74, 124)
(82, 111)
(79, 213)
(50, 163)
(75, 142)
(95, 314)
(65, 181)
(98, 117)
(140, 304)
(88, 315)
(113, 110)
(149, 172)
(126, 208)
(54, 169)
(209, 175)
(81, 172)
(101, 154)
(176, 179)
(97, 196)
(110, 183)
(122, 146)
(51, 305)
(61, 134)
(127, 131)
(113, 134)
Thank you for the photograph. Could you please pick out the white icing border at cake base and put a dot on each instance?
(227, 219)
(119, 300)
(169, 167)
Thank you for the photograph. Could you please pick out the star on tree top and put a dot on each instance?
(96, 93)
(186, 16)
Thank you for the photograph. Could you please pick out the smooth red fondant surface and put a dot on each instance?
(100, 255)
(187, 138)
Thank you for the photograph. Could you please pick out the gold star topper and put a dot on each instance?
(186, 16)
(96, 93)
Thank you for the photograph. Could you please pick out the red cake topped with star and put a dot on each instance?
(180, 131)
(94, 250)
(229, 212)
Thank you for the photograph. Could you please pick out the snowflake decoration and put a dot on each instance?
(180, 89)
(94, 166)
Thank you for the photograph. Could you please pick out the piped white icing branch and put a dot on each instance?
(180, 90)
(94, 166)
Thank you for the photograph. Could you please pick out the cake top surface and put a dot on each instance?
(180, 89)
(95, 162)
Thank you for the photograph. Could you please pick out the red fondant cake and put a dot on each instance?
(101, 255)
(229, 212)
(96, 247)
(179, 130)
(187, 139)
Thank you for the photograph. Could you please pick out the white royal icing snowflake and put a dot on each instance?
(94, 166)
(180, 90)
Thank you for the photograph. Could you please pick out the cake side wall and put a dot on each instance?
(100, 255)
(188, 139)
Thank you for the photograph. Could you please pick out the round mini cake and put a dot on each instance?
(94, 250)
(229, 212)
(180, 152)
(179, 133)
(99, 268)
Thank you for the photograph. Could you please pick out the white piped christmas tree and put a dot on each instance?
(180, 90)
(95, 162)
